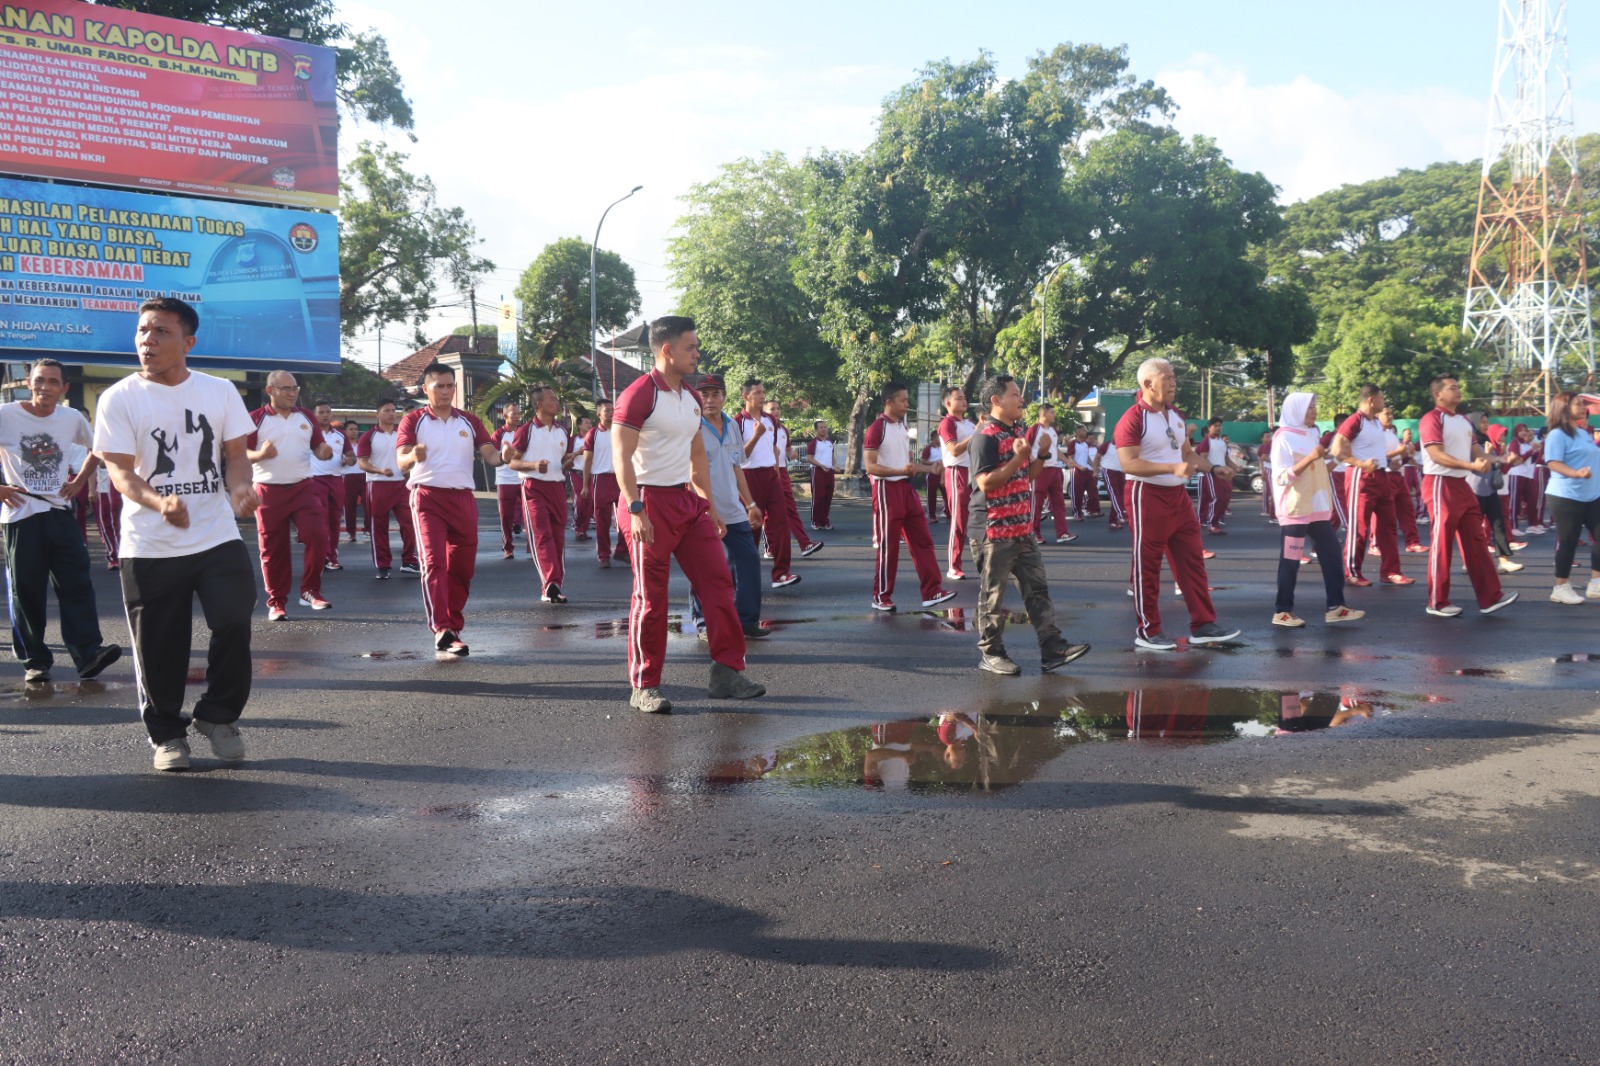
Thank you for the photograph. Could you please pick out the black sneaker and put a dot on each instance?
(1063, 656)
(552, 594)
(811, 549)
(1155, 642)
(408, 568)
(1211, 633)
(443, 639)
(102, 659)
(756, 632)
(383, 573)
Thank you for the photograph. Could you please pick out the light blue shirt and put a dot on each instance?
(1576, 451)
(724, 454)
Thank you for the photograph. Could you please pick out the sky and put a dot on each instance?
(534, 120)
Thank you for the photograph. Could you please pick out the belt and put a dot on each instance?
(680, 486)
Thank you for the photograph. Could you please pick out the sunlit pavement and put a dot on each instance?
(1357, 843)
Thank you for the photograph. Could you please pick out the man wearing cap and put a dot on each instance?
(888, 460)
(280, 451)
(600, 488)
(328, 477)
(659, 451)
(539, 453)
(731, 493)
(436, 445)
(1158, 459)
(387, 494)
(507, 483)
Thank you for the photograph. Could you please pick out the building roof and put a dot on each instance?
(615, 374)
(407, 373)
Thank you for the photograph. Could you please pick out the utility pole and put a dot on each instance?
(472, 297)
(594, 299)
(1527, 285)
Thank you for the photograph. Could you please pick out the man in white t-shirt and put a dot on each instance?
(787, 451)
(435, 445)
(955, 435)
(582, 506)
(823, 454)
(540, 452)
(286, 440)
(1216, 487)
(42, 543)
(1081, 457)
(328, 476)
(762, 466)
(507, 485)
(174, 440)
(600, 488)
(1049, 486)
(387, 493)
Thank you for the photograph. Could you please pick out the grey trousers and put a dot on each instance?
(1019, 558)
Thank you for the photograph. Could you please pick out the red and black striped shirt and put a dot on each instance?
(1007, 512)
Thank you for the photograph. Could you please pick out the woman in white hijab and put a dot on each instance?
(1303, 495)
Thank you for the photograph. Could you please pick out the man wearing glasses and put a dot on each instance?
(1157, 460)
(280, 451)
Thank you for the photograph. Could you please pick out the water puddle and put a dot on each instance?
(1005, 745)
(67, 690)
(386, 656)
(1479, 671)
(1577, 657)
(1346, 654)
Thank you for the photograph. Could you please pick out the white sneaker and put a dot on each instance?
(1593, 591)
(226, 743)
(1449, 610)
(1565, 593)
(1537, 530)
(1507, 566)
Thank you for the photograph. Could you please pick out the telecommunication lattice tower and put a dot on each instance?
(1527, 286)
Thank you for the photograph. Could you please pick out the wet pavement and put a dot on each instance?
(1327, 845)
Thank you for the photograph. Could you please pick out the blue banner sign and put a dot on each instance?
(75, 263)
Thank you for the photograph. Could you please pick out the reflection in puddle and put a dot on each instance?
(1479, 671)
(49, 690)
(1008, 744)
(1345, 654)
(407, 656)
(1577, 657)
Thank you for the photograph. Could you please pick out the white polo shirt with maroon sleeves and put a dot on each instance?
(1083, 453)
(504, 475)
(537, 442)
(1109, 459)
(952, 431)
(892, 443)
(294, 435)
(1157, 434)
(1215, 449)
(597, 442)
(667, 423)
(333, 466)
(1453, 433)
(379, 449)
(1366, 438)
(822, 452)
(452, 445)
(765, 453)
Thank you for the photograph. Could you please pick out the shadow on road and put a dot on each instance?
(570, 922)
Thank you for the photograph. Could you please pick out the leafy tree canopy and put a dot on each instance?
(369, 83)
(554, 291)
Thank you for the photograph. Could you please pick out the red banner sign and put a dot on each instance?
(99, 94)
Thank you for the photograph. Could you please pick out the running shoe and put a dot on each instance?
(1505, 601)
(1211, 633)
(939, 597)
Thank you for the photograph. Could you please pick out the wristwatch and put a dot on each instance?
(636, 507)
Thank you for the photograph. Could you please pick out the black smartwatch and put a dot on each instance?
(636, 507)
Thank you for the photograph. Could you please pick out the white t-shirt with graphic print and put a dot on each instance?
(36, 454)
(175, 435)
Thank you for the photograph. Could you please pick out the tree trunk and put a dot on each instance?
(858, 419)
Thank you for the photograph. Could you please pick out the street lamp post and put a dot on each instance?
(594, 302)
(1044, 324)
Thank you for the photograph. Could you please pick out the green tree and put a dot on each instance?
(353, 386)
(734, 259)
(395, 242)
(369, 84)
(554, 291)
(1399, 339)
(990, 161)
(1163, 258)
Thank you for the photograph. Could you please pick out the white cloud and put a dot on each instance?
(1308, 138)
(531, 167)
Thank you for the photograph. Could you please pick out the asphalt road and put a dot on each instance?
(494, 860)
